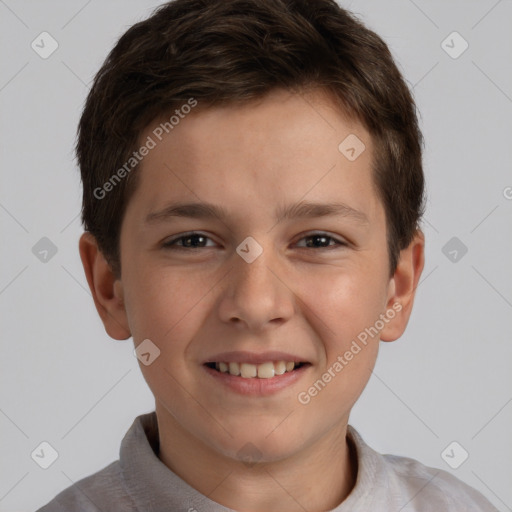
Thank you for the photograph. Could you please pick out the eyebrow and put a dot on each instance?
(294, 211)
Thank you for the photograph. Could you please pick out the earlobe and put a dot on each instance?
(107, 291)
(402, 287)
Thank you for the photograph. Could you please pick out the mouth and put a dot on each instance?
(255, 374)
(265, 370)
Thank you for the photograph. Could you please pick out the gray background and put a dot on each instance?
(66, 382)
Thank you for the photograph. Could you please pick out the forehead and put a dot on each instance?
(282, 148)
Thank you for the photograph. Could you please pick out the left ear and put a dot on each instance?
(402, 287)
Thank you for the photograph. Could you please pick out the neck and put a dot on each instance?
(318, 477)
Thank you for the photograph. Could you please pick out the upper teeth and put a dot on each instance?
(262, 371)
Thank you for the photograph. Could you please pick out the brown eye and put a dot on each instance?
(321, 241)
(191, 240)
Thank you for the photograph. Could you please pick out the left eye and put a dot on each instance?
(197, 240)
(321, 238)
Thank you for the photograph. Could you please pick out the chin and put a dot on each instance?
(260, 447)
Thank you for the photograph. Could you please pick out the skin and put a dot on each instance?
(309, 301)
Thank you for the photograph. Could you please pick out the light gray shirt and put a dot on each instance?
(139, 481)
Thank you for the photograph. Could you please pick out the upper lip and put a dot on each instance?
(254, 357)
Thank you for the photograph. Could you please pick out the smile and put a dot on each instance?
(265, 370)
(258, 379)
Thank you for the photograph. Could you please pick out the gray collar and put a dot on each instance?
(154, 487)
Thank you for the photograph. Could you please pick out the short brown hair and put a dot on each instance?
(228, 51)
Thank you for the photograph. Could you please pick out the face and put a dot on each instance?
(268, 280)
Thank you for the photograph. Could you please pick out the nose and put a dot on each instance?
(256, 295)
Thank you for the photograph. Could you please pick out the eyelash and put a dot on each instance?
(170, 244)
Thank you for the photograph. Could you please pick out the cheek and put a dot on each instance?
(342, 303)
(162, 303)
(343, 308)
(168, 308)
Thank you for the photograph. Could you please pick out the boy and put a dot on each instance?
(252, 192)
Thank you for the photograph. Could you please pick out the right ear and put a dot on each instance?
(107, 291)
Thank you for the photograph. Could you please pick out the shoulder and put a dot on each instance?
(98, 492)
(409, 485)
(430, 488)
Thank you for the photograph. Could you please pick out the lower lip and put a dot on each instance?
(256, 386)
